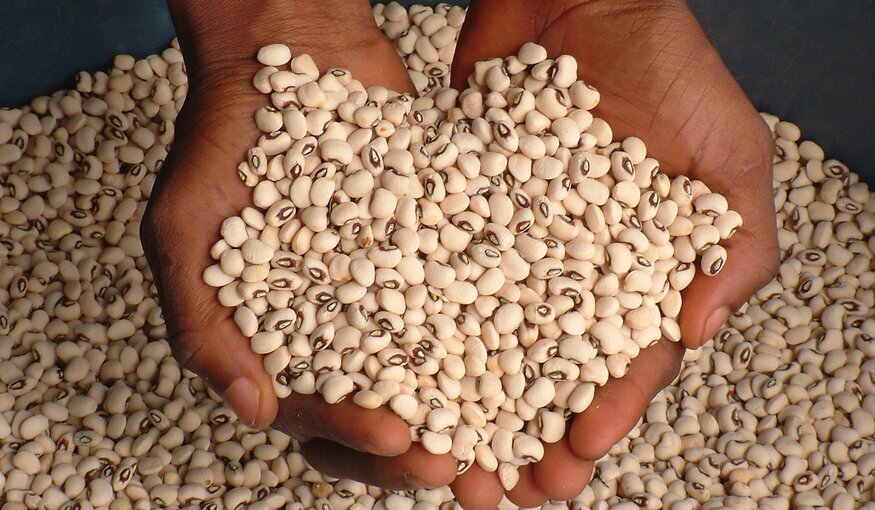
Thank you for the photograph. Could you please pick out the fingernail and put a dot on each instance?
(713, 323)
(412, 481)
(243, 397)
(374, 447)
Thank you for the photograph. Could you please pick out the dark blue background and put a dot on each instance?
(808, 61)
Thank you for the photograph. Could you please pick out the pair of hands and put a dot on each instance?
(659, 79)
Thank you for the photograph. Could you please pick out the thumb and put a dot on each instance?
(752, 252)
(202, 333)
(181, 223)
(486, 35)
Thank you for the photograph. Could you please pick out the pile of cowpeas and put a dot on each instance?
(478, 260)
(775, 413)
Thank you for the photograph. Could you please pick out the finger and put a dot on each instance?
(180, 225)
(619, 404)
(561, 474)
(479, 40)
(392, 74)
(212, 345)
(204, 337)
(415, 468)
(709, 301)
(526, 493)
(378, 431)
(202, 333)
(706, 129)
(477, 489)
(752, 253)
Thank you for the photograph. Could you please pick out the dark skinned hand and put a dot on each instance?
(198, 188)
(660, 80)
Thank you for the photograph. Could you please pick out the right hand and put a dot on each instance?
(198, 188)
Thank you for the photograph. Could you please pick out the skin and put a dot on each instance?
(660, 80)
(197, 189)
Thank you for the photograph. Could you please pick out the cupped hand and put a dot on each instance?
(198, 188)
(662, 81)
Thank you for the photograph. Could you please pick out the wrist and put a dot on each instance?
(223, 34)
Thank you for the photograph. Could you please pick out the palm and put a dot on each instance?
(197, 189)
(660, 80)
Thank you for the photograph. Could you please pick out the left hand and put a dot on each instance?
(661, 80)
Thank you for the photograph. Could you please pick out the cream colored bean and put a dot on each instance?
(713, 260)
(337, 388)
(540, 393)
(343, 188)
(435, 443)
(274, 55)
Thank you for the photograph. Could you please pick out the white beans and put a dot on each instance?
(274, 55)
(94, 408)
